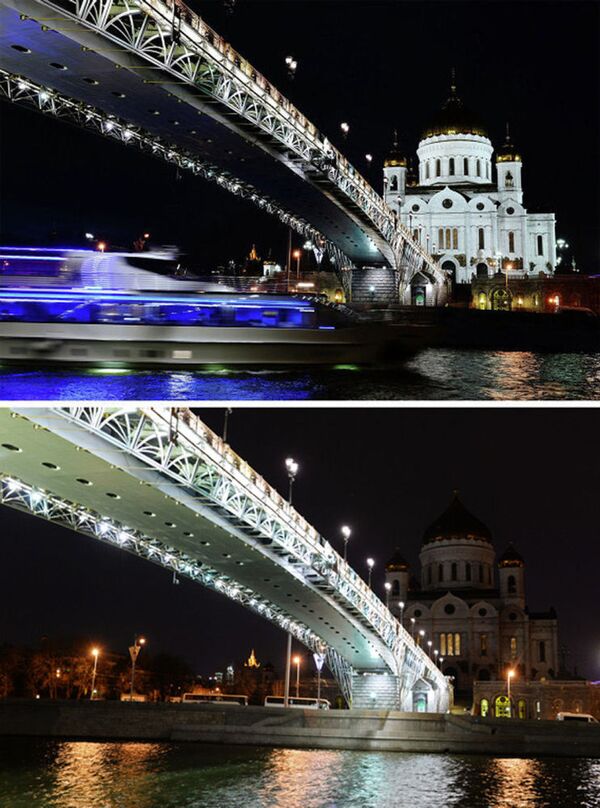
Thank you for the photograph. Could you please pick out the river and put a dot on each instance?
(433, 374)
(42, 773)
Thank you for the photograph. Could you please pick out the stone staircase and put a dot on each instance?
(375, 691)
(375, 285)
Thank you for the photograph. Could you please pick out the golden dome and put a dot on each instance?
(454, 119)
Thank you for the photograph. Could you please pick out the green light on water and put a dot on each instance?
(346, 367)
(108, 371)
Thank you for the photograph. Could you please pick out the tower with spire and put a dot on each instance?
(394, 174)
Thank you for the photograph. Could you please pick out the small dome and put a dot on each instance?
(456, 523)
(507, 153)
(397, 563)
(454, 119)
(395, 156)
(511, 558)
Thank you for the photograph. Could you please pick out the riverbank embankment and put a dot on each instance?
(260, 726)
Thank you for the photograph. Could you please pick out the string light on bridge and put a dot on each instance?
(292, 66)
(370, 565)
(346, 533)
(345, 129)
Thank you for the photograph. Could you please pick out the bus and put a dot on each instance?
(218, 698)
(294, 701)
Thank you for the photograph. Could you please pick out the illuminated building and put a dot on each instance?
(469, 216)
(471, 607)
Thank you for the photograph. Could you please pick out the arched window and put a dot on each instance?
(416, 234)
(454, 571)
(442, 645)
(512, 585)
(479, 168)
(426, 171)
(540, 245)
(481, 573)
(440, 572)
(438, 168)
(396, 587)
(536, 300)
(502, 707)
(448, 238)
(450, 644)
(468, 566)
(466, 167)
(455, 239)
(542, 651)
(509, 181)
(457, 644)
(481, 236)
(513, 647)
(522, 708)
(429, 574)
(489, 576)
(487, 171)
(394, 183)
(511, 241)
(484, 707)
(483, 644)
(451, 167)
(441, 238)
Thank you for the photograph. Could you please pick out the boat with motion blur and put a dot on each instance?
(85, 307)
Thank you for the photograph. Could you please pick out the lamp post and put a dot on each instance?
(429, 644)
(435, 655)
(509, 676)
(228, 412)
(297, 664)
(134, 651)
(345, 129)
(346, 533)
(292, 470)
(412, 628)
(421, 636)
(388, 587)
(95, 654)
(370, 565)
(401, 607)
(441, 662)
(297, 255)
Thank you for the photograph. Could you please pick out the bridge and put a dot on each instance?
(158, 483)
(154, 76)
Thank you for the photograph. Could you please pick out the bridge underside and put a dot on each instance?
(118, 83)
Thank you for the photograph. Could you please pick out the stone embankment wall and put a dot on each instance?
(334, 729)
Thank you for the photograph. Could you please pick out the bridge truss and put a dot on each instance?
(173, 451)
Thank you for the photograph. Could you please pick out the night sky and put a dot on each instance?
(530, 474)
(375, 65)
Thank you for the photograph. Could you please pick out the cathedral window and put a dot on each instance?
(513, 647)
(440, 574)
(511, 241)
(468, 571)
(443, 645)
(448, 238)
(416, 234)
(487, 171)
(481, 573)
(457, 644)
(451, 167)
(438, 168)
(484, 707)
(455, 239)
(502, 707)
(540, 245)
(522, 708)
(489, 575)
(426, 171)
(429, 574)
(396, 587)
(481, 236)
(454, 572)
(479, 168)
(508, 180)
(466, 167)
(394, 183)
(512, 585)
(483, 644)
(450, 645)
(542, 651)
(441, 238)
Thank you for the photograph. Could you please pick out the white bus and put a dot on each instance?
(293, 701)
(582, 718)
(218, 698)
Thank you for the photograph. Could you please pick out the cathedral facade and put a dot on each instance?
(468, 610)
(465, 207)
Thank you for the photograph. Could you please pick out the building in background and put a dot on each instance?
(471, 607)
(465, 207)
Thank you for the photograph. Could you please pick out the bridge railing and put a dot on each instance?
(374, 610)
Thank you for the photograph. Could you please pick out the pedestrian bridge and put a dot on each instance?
(159, 483)
(152, 75)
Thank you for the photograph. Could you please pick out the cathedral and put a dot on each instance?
(468, 216)
(468, 610)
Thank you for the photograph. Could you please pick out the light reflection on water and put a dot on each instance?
(434, 374)
(36, 773)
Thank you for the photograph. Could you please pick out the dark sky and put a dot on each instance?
(376, 65)
(530, 474)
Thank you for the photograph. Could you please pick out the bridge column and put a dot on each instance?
(375, 691)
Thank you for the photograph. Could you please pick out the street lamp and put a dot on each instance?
(346, 533)
(401, 607)
(292, 66)
(421, 636)
(435, 655)
(345, 129)
(134, 651)
(292, 469)
(429, 644)
(507, 269)
(95, 654)
(370, 565)
(297, 255)
(297, 664)
(369, 158)
(441, 662)
(412, 628)
(388, 588)
(509, 676)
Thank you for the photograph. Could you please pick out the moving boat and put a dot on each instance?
(86, 307)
